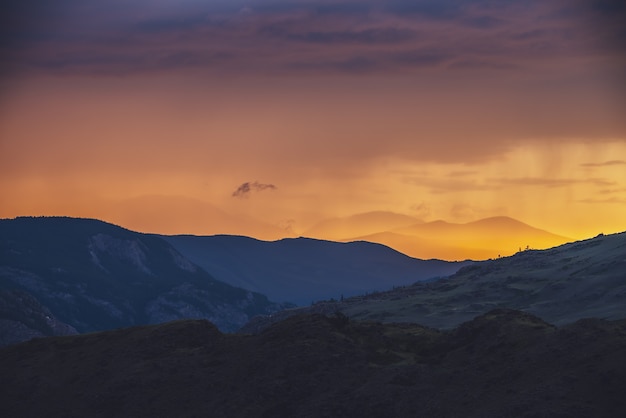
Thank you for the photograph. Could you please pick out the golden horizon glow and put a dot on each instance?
(563, 191)
(101, 160)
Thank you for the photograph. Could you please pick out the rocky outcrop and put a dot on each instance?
(22, 318)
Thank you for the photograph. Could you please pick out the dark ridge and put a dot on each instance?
(503, 363)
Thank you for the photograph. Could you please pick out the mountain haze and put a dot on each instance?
(478, 240)
(183, 215)
(336, 229)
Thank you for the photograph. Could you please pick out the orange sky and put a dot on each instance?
(152, 117)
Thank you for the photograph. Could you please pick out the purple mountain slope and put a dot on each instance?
(302, 270)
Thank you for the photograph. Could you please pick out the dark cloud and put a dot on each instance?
(246, 188)
(182, 24)
(112, 63)
(548, 182)
(118, 37)
(604, 20)
(366, 36)
(483, 22)
(471, 64)
(463, 173)
(604, 201)
(352, 65)
(438, 80)
(605, 163)
(28, 22)
(420, 58)
(612, 191)
(432, 9)
(529, 35)
(439, 185)
(375, 62)
(343, 8)
(356, 64)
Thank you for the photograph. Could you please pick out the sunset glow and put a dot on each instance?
(151, 115)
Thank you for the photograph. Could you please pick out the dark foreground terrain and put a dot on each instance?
(502, 364)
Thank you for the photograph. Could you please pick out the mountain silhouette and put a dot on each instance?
(303, 270)
(89, 275)
(93, 276)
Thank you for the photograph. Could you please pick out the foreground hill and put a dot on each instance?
(577, 280)
(562, 284)
(93, 276)
(502, 364)
(479, 240)
(302, 270)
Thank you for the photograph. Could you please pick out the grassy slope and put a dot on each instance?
(563, 284)
(573, 281)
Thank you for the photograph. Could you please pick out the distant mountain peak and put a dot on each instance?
(440, 222)
(359, 224)
(477, 240)
(499, 220)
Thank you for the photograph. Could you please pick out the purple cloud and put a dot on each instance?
(246, 188)
(347, 36)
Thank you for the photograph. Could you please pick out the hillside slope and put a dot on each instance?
(303, 270)
(563, 284)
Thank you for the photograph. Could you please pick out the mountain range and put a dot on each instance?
(91, 275)
(478, 240)
(360, 224)
(539, 333)
(63, 275)
(304, 270)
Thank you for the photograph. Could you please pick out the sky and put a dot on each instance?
(203, 117)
